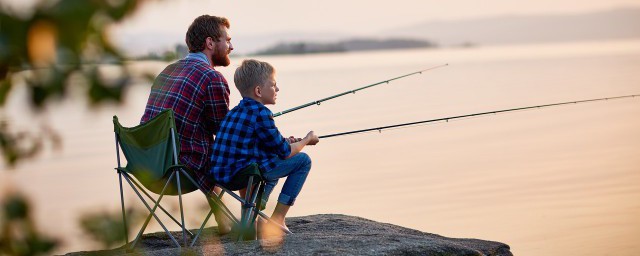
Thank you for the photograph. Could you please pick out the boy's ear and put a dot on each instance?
(257, 91)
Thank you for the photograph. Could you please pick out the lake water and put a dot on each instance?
(555, 181)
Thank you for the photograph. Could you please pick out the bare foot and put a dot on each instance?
(271, 236)
(269, 229)
(224, 225)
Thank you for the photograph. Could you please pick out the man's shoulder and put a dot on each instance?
(202, 66)
(198, 67)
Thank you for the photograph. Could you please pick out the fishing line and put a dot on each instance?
(317, 102)
(467, 116)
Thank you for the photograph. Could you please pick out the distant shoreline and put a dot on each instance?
(352, 45)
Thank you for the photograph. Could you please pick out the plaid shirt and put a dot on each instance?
(199, 97)
(247, 135)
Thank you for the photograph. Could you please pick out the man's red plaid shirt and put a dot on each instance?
(199, 97)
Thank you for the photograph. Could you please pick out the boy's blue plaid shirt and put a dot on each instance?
(247, 135)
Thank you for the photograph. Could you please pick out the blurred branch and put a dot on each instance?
(108, 227)
(18, 235)
(18, 145)
(54, 42)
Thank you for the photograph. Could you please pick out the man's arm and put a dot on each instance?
(217, 100)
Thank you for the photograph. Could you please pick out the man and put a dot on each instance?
(198, 95)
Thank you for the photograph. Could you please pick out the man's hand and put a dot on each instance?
(312, 138)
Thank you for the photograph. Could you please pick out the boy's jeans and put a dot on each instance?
(296, 170)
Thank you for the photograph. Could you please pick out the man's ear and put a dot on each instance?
(209, 43)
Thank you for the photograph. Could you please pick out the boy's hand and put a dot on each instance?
(292, 139)
(296, 147)
(312, 138)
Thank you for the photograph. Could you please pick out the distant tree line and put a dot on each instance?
(179, 52)
(344, 46)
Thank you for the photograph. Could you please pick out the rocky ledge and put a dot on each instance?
(325, 234)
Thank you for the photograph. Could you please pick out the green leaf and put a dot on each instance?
(15, 208)
(5, 88)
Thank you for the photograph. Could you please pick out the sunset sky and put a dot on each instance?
(259, 17)
(161, 24)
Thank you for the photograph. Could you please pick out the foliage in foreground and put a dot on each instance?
(53, 48)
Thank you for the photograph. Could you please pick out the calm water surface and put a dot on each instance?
(557, 181)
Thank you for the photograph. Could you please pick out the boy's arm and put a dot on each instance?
(310, 139)
(293, 139)
(269, 137)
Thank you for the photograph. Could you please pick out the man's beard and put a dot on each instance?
(221, 58)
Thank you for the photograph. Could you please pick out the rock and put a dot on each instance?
(324, 234)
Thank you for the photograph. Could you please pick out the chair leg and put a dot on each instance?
(184, 233)
(201, 228)
(214, 201)
(258, 196)
(159, 206)
(246, 211)
(224, 210)
(217, 200)
(152, 213)
(124, 215)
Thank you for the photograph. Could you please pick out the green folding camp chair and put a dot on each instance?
(152, 153)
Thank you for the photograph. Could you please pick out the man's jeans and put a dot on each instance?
(296, 170)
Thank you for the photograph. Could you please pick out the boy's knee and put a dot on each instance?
(304, 159)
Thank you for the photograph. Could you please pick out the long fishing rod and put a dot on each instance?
(317, 102)
(446, 119)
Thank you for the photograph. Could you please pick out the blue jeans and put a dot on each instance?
(296, 170)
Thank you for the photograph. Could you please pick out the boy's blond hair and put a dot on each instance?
(252, 73)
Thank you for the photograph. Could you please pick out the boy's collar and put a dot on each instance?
(251, 100)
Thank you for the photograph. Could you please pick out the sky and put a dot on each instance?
(261, 17)
(165, 21)
(251, 21)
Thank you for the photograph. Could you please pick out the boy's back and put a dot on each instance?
(247, 135)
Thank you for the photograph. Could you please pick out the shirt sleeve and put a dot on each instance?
(217, 101)
(270, 137)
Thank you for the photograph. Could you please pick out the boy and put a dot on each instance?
(248, 135)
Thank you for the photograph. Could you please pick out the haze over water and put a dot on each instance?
(555, 181)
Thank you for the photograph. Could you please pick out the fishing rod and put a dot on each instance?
(317, 102)
(446, 119)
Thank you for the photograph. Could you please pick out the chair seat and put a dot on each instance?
(239, 181)
(156, 185)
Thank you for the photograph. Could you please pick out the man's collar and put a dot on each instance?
(198, 56)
